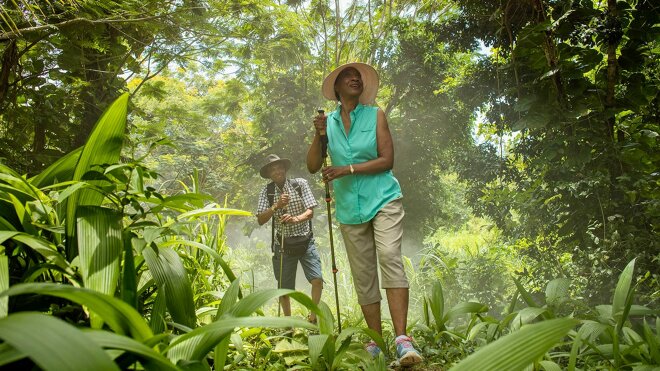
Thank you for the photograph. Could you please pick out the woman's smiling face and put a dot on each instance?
(349, 83)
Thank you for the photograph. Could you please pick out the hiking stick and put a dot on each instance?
(328, 199)
(279, 282)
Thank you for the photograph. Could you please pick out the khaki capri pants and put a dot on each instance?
(376, 242)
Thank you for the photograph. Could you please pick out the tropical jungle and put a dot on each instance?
(526, 138)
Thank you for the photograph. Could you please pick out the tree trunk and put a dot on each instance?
(612, 67)
(550, 51)
(9, 61)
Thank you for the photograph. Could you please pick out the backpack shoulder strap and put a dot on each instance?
(270, 193)
(296, 185)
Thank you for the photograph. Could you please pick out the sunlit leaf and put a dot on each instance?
(505, 354)
(40, 337)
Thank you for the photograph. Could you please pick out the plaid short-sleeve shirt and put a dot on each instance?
(297, 205)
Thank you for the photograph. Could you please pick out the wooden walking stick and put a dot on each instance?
(328, 199)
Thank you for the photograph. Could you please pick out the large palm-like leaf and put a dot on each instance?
(103, 147)
(506, 354)
(119, 316)
(100, 244)
(40, 337)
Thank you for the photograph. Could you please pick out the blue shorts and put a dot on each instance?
(311, 264)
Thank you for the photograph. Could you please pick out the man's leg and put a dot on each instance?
(287, 275)
(311, 264)
(285, 302)
(317, 288)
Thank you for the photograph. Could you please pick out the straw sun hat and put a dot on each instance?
(369, 82)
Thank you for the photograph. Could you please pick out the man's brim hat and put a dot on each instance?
(369, 82)
(271, 160)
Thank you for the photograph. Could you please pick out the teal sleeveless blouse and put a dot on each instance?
(358, 197)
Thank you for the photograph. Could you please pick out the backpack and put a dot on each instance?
(270, 195)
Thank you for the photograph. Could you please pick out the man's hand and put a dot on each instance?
(283, 201)
(288, 218)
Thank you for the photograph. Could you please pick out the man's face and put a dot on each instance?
(277, 172)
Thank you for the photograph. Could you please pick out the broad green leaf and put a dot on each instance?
(589, 331)
(172, 278)
(119, 316)
(41, 338)
(220, 353)
(43, 247)
(437, 303)
(4, 285)
(18, 186)
(549, 366)
(316, 343)
(652, 341)
(556, 292)
(222, 328)
(288, 346)
(99, 232)
(214, 254)
(464, 308)
(6, 225)
(157, 320)
(210, 211)
(229, 298)
(621, 294)
(252, 302)
(525, 316)
(60, 171)
(505, 353)
(9, 354)
(103, 147)
(149, 358)
(129, 275)
(23, 214)
(527, 297)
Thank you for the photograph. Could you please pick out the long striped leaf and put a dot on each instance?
(100, 245)
(157, 320)
(214, 254)
(464, 308)
(527, 297)
(9, 354)
(172, 279)
(437, 304)
(229, 298)
(213, 211)
(119, 316)
(620, 307)
(129, 275)
(518, 349)
(43, 247)
(41, 337)
(4, 285)
(17, 185)
(218, 330)
(316, 344)
(103, 147)
(149, 358)
(60, 171)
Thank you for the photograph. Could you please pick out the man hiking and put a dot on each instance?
(289, 204)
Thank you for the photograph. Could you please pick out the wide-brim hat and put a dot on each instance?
(271, 160)
(369, 82)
